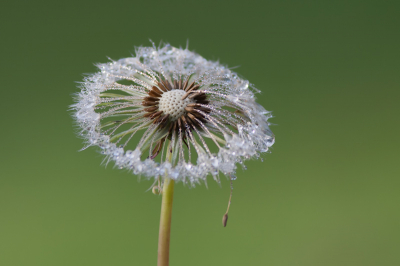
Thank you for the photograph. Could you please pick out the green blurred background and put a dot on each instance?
(328, 194)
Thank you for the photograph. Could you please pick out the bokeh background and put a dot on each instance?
(328, 194)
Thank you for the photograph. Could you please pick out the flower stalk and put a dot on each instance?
(165, 218)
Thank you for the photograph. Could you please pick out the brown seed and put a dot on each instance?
(151, 109)
(185, 84)
(195, 87)
(200, 117)
(203, 101)
(190, 86)
(185, 96)
(148, 103)
(167, 85)
(180, 84)
(203, 119)
(193, 119)
(204, 109)
(162, 86)
(201, 96)
(189, 122)
(189, 91)
(157, 148)
(225, 219)
(163, 120)
(170, 128)
(199, 99)
(156, 114)
(156, 120)
(157, 90)
(148, 114)
(197, 114)
(179, 122)
(189, 109)
(194, 95)
(154, 94)
(151, 99)
(183, 119)
(175, 126)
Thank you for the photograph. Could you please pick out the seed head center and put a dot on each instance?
(171, 103)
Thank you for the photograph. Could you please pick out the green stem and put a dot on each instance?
(165, 217)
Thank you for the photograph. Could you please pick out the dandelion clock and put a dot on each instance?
(169, 115)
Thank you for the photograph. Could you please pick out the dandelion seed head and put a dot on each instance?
(164, 99)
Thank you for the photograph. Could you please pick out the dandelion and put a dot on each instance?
(171, 115)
